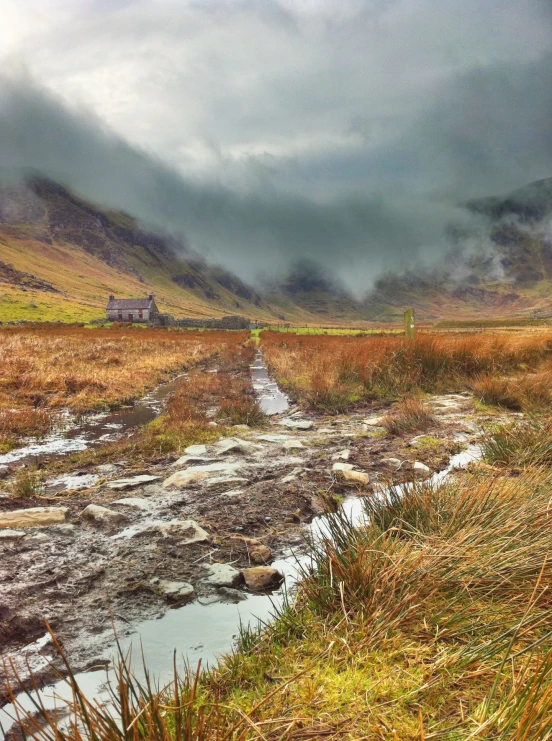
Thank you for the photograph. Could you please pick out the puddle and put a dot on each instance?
(271, 398)
(94, 429)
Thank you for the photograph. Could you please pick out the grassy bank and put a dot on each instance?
(335, 373)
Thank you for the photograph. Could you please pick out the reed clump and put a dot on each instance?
(408, 415)
(334, 372)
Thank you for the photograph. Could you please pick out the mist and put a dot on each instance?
(353, 143)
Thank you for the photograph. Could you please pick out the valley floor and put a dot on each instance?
(426, 622)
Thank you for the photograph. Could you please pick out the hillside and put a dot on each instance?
(61, 257)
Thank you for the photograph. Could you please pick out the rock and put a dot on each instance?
(421, 470)
(133, 503)
(177, 592)
(342, 455)
(185, 531)
(4, 472)
(102, 515)
(274, 438)
(107, 468)
(235, 445)
(262, 578)
(220, 482)
(232, 595)
(233, 493)
(134, 481)
(292, 445)
(33, 517)
(373, 421)
(393, 463)
(223, 575)
(9, 534)
(67, 530)
(195, 474)
(346, 471)
(196, 450)
(296, 424)
(260, 554)
(186, 459)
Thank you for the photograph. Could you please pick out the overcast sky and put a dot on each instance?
(263, 130)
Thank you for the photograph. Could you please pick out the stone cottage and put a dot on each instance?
(132, 309)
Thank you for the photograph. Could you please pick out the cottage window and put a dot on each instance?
(140, 314)
(120, 316)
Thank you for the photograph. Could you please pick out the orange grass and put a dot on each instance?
(45, 370)
(336, 372)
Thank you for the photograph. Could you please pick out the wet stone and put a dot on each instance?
(9, 535)
(185, 531)
(262, 578)
(33, 517)
(132, 482)
(260, 554)
(232, 595)
(296, 424)
(223, 575)
(393, 463)
(421, 470)
(133, 503)
(102, 515)
(177, 592)
(198, 450)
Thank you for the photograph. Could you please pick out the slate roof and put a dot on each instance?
(130, 303)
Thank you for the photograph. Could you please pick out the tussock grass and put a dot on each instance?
(527, 392)
(522, 443)
(408, 415)
(335, 372)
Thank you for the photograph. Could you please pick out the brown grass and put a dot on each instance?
(45, 370)
(408, 415)
(336, 372)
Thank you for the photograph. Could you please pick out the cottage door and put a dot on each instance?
(130, 318)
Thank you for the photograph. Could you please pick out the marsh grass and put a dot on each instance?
(408, 415)
(333, 373)
(43, 371)
(28, 483)
(522, 443)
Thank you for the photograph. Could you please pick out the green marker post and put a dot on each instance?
(409, 326)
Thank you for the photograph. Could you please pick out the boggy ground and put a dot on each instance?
(264, 484)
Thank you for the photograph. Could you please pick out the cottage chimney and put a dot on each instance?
(150, 297)
(111, 297)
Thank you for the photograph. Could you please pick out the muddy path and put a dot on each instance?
(73, 434)
(169, 560)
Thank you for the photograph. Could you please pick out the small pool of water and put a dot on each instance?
(94, 429)
(269, 395)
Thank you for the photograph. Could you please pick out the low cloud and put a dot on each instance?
(347, 137)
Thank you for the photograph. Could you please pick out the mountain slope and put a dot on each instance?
(61, 257)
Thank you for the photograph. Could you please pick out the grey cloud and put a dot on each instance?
(345, 136)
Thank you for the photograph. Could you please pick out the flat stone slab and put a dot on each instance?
(130, 483)
(223, 575)
(33, 517)
(195, 474)
(394, 463)
(9, 534)
(177, 592)
(296, 424)
(421, 470)
(196, 450)
(185, 531)
(275, 438)
(133, 503)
